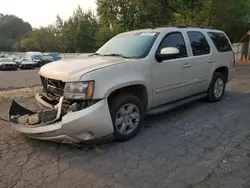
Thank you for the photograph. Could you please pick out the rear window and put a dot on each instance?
(220, 41)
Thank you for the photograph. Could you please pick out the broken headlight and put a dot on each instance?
(79, 90)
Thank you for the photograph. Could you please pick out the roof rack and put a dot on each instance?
(192, 26)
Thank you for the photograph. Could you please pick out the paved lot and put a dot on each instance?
(19, 79)
(201, 145)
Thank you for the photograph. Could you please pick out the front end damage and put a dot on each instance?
(62, 120)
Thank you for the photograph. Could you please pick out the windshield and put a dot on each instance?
(37, 57)
(131, 45)
(6, 60)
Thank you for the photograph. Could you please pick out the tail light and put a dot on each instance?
(234, 61)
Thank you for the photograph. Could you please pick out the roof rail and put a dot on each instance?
(186, 26)
(191, 26)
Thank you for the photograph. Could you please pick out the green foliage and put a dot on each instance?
(232, 16)
(43, 39)
(12, 29)
(77, 34)
(134, 14)
(105, 33)
(85, 32)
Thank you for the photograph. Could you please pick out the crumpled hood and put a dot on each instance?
(73, 69)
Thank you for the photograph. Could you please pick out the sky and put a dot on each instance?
(43, 12)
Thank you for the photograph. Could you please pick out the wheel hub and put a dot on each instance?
(219, 88)
(127, 119)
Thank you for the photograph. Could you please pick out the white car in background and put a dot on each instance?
(36, 57)
(8, 64)
(27, 63)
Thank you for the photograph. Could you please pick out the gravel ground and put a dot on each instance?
(19, 79)
(201, 145)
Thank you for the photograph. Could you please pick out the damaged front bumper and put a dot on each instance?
(91, 123)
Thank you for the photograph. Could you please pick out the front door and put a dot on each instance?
(172, 78)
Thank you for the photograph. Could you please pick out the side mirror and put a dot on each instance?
(167, 53)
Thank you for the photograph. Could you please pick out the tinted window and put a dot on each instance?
(174, 40)
(220, 41)
(199, 43)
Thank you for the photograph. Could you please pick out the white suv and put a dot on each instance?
(137, 73)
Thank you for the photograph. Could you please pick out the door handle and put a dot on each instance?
(211, 61)
(186, 66)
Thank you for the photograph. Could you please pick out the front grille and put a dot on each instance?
(9, 65)
(54, 87)
(44, 82)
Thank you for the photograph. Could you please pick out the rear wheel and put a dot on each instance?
(127, 112)
(217, 87)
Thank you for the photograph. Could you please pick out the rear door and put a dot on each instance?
(202, 60)
(223, 54)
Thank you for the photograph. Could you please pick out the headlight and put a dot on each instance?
(79, 90)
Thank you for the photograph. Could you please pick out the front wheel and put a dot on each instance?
(217, 87)
(127, 112)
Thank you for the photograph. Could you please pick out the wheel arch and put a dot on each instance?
(224, 70)
(139, 90)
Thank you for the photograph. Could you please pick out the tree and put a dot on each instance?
(43, 39)
(85, 32)
(105, 33)
(231, 16)
(78, 33)
(134, 14)
(12, 29)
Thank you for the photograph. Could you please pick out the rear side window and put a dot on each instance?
(220, 41)
(198, 43)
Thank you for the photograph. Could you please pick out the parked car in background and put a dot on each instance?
(27, 64)
(137, 73)
(48, 59)
(45, 59)
(8, 64)
(18, 60)
(54, 55)
(36, 57)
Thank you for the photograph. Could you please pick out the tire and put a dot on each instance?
(212, 95)
(128, 123)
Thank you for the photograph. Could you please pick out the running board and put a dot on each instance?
(176, 104)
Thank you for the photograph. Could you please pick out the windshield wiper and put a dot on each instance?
(117, 55)
(95, 54)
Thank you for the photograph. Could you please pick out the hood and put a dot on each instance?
(73, 69)
(9, 63)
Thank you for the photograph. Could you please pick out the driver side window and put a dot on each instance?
(174, 40)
